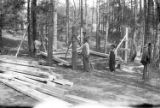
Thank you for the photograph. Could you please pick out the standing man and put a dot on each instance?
(145, 60)
(112, 60)
(85, 51)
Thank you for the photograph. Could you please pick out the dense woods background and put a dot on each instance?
(105, 23)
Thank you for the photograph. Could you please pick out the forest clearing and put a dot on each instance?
(75, 52)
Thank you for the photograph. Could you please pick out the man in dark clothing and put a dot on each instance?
(145, 60)
(112, 61)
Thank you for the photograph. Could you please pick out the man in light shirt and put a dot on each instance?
(85, 51)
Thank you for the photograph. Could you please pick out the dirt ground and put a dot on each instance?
(11, 97)
(103, 86)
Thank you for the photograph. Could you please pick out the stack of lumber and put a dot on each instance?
(37, 83)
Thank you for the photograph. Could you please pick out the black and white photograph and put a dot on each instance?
(79, 53)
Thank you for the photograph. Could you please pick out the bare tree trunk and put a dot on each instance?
(81, 29)
(1, 26)
(29, 28)
(67, 24)
(55, 31)
(74, 51)
(107, 28)
(98, 26)
(86, 12)
(92, 17)
(34, 23)
(146, 28)
(51, 32)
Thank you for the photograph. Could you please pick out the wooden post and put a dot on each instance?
(55, 31)
(51, 33)
(126, 45)
(23, 38)
(106, 37)
(74, 49)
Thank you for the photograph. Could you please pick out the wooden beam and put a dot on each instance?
(25, 63)
(98, 54)
(25, 90)
(57, 59)
(23, 38)
(79, 100)
(63, 82)
(56, 91)
(31, 92)
(38, 74)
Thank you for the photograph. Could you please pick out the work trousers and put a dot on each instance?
(145, 72)
(86, 63)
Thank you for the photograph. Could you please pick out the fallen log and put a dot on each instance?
(57, 59)
(63, 82)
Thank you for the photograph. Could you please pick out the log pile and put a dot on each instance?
(29, 79)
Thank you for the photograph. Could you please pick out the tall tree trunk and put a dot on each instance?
(146, 27)
(98, 27)
(1, 12)
(107, 28)
(86, 12)
(74, 51)
(92, 16)
(55, 31)
(29, 28)
(67, 23)
(51, 32)
(81, 29)
(34, 23)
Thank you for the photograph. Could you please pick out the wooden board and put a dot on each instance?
(25, 90)
(38, 74)
(19, 86)
(43, 80)
(25, 63)
(56, 90)
(63, 82)
(78, 99)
